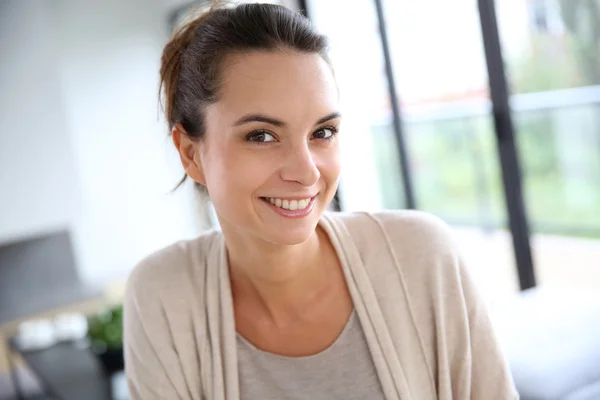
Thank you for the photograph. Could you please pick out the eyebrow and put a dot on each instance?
(273, 121)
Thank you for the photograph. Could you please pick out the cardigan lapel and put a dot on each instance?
(387, 362)
(229, 348)
(222, 364)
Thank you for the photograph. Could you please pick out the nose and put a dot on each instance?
(300, 166)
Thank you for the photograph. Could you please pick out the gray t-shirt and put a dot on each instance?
(344, 370)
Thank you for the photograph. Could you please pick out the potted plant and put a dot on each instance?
(105, 332)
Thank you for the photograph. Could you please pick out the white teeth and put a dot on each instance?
(291, 205)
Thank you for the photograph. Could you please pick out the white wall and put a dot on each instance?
(94, 155)
(38, 182)
(110, 52)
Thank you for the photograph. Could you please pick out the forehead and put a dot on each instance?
(285, 84)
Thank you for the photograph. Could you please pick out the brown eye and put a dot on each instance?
(260, 137)
(325, 133)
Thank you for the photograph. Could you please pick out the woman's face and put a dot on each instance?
(270, 157)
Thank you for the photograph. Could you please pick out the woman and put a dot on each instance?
(286, 301)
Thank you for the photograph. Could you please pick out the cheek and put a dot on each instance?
(233, 173)
(219, 170)
(331, 165)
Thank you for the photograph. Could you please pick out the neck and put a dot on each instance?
(283, 281)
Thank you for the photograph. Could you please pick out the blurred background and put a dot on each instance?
(485, 113)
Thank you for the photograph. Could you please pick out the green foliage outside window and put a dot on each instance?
(454, 163)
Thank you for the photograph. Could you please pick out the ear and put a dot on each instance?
(189, 153)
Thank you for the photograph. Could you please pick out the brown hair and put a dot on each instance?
(192, 60)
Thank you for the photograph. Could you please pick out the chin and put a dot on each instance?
(293, 235)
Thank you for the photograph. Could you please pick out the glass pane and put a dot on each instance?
(442, 83)
(441, 75)
(550, 44)
(554, 65)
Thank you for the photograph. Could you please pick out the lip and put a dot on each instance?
(291, 213)
(308, 196)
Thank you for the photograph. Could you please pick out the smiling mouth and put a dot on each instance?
(291, 205)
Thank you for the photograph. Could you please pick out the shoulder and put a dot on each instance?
(401, 228)
(417, 245)
(397, 219)
(169, 270)
(419, 229)
(162, 315)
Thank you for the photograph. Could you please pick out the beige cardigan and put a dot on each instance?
(426, 327)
